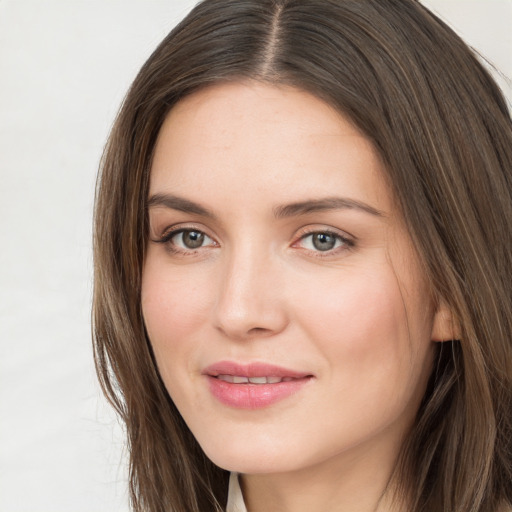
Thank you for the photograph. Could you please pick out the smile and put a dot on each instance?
(254, 385)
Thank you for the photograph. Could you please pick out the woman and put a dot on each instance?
(302, 254)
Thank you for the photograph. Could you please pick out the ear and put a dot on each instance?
(445, 327)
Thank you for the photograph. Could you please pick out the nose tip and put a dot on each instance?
(250, 303)
(244, 323)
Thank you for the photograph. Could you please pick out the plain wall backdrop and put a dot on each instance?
(64, 68)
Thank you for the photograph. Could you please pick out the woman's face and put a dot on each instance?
(277, 254)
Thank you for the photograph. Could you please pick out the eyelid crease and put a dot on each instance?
(347, 241)
(315, 228)
(172, 231)
(176, 249)
(343, 239)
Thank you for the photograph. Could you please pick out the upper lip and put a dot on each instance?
(255, 369)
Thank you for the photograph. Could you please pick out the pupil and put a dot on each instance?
(323, 241)
(193, 239)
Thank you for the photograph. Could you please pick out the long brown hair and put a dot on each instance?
(442, 128)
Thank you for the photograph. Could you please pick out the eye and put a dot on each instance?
(185, 240)
(324, 241)
(190, 239)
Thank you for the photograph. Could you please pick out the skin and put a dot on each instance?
(358, 317)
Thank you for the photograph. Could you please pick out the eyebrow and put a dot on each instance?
(289, 210)
(179, 203)
(325, 204)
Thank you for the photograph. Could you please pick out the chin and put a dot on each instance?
(250, 458)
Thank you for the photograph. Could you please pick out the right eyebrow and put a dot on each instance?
(180, 204)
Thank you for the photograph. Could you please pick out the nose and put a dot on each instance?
(250, 302)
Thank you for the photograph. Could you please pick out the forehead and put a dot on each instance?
(282, 141)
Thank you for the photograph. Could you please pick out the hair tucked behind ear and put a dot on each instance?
(444, 132)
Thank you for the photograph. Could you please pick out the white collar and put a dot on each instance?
(235, 497)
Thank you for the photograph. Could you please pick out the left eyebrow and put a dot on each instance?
(325, 204)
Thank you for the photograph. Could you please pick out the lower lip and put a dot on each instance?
(254, 396)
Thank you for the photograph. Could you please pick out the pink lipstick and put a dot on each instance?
(254, 385)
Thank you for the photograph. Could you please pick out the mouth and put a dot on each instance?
(255, 371)
(239, 379)
(254, 385)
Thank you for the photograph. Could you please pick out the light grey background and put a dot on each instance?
(64, 68)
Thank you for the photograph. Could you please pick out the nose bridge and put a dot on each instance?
(250, 302)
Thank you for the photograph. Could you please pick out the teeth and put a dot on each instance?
(226, 378)
(258, 380)
(236, 379)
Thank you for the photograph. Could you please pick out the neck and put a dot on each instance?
(360, 481)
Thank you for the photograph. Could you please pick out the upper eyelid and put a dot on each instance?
(312, 229)
(173, 229)
(345, 240)
(348, 242)
(168, 234)
(177, 232)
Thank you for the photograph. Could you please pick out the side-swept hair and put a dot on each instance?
(444, 132)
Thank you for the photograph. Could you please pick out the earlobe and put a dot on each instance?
(445, 327)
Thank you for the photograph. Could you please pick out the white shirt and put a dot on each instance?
(235, 497)
(236, 500)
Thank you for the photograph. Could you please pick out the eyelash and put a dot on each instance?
(167, 237)
(345, 243)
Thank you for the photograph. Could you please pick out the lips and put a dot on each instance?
(254, 385)
(252, 370)
(238, 379)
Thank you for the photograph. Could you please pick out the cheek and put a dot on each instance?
(369, 335)
(175, 306)
(354, 309)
